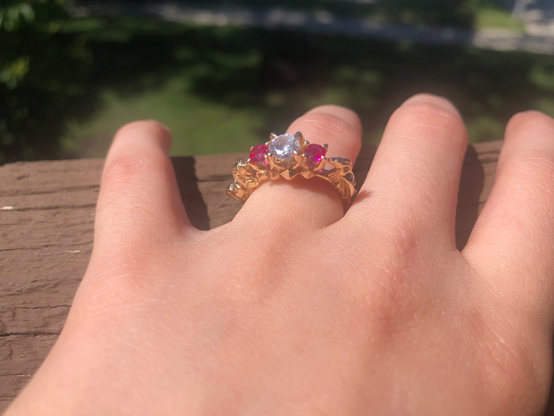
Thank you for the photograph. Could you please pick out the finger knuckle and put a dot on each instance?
(126, 168)
(122, 169)
(393, 296)
(429, 122)
(116, 284)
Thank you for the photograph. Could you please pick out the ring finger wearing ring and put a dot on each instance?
(312, 193)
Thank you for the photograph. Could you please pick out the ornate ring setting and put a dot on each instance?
(287, 156)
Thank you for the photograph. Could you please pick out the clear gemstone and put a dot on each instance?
(283, 147)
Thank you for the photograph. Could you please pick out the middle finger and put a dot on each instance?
(413, 182)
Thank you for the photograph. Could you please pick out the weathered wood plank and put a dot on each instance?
(23, 353)
(46, 234)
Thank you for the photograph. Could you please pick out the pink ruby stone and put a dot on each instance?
(257, 154)
(314, 154)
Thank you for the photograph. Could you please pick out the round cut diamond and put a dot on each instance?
(283, 147)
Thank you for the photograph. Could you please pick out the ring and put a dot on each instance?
(287, 156)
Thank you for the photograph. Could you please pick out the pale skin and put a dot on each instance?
(295, 308)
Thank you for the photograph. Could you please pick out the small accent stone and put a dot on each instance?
(283, 147)
(314, 154)
(343, 161)
(257, 154)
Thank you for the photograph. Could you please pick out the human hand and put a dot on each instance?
(294, 308)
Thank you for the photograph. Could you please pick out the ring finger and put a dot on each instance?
(303, 204)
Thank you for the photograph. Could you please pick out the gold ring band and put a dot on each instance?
(287, 156)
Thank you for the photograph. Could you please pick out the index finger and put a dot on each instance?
(139, 197)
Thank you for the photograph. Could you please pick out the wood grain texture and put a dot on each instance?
(46, 235)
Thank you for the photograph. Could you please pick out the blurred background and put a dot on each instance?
(222, 74)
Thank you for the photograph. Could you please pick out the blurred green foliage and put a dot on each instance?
(41, 77)
(428, 12)
(221, 88)
(67, 84)
(457, 13)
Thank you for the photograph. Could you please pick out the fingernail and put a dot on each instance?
(432, 99)
(530, 112)
(160, 124)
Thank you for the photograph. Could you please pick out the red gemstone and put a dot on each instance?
(314, 154)
(257, 154)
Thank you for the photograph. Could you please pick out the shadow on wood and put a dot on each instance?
(362, 165)
(197, 210)
(550, 405)
(472, 181)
